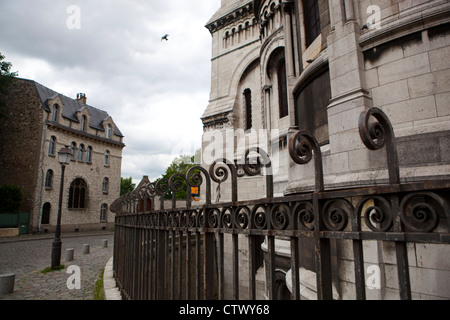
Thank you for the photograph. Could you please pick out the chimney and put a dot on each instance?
(81, 97)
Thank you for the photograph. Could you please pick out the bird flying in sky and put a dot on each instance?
(165, 37)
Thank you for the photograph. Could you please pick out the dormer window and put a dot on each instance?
(108, 131)
(83, 123)
(55, 112)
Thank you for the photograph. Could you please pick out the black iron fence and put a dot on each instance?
(178, 253)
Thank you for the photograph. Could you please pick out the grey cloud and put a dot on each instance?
(119, 60)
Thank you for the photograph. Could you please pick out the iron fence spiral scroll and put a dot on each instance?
(422, 211)
(259, 217)
(280, 216)
(376, 135)
(377, 215)
(303, 216)
(302, 145)
(336, 214)
(242, 217)
(194, 179)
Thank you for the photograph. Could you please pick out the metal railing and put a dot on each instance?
(178, 253)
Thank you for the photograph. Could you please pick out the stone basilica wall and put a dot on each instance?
(401, 68)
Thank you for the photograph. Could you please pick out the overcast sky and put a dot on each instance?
(155, 91)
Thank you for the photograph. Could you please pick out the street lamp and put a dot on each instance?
(64, 157)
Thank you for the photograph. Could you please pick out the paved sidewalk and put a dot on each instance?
(54, 285)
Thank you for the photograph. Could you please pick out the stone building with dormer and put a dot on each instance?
(40, 122)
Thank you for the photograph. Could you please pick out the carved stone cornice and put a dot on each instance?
(217, 122)
(230, 17)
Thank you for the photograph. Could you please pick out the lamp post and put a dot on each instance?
(64, 157)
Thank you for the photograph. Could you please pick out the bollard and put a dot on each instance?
(7, 283)
(105, 243)
(69, 254)
(86, 248)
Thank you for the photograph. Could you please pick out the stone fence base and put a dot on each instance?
(9, 232)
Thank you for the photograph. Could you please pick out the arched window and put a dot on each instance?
(276, 72)
(52, 146)
(83, 123)
(103, 212)
(55, 112)
(49, 179)
(311, 102)
(108, 131)
(312, 20)
(45, 219)
(282, 88)
(89, 155)
(248, 108)
(77, 194)
(80, 154)
(107, 158)
(105, 185)
(73, 148)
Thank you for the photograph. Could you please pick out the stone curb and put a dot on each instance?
(44, 236)
(109, 284)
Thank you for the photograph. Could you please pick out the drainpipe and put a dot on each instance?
(42, 178)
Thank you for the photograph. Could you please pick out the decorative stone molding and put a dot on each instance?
(217, 122)
(231, 17)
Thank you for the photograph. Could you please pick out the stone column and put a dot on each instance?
(288, 41)
(349, 10)
(349, 97)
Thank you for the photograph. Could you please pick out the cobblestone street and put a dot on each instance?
(27, 256)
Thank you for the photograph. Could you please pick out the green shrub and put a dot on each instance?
(10, 198)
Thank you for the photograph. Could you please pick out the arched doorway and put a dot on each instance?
(45, 219)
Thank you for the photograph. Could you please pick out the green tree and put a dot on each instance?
(10, 198)
(180, 164)
(6, 79)
(126, 185)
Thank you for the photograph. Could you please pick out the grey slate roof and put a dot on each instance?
(71, 107)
